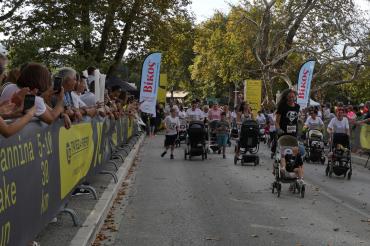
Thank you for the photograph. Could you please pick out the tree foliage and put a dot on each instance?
(86, 32)
(270, 39)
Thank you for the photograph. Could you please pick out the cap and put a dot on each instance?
(362, 105)
(3, 50)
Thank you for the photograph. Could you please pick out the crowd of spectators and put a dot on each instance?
(32, 91)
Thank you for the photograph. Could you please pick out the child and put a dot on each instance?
(297, 165)
(172, 124)
(223, 127)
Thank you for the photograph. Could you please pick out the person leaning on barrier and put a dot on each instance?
(366, 118)
(80, 87)
(8, 130)
(35, 79)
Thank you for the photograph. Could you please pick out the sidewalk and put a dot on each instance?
(360, 159)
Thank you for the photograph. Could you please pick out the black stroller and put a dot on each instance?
(285, 145)
(248, 142)
(315, 147)
(181, 136)
(196, 140)
(340, 162)
(212, 138)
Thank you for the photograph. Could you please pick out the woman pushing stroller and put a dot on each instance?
(287, 124)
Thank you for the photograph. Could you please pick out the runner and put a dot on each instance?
(172, 124)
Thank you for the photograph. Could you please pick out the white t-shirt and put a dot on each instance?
(272, 120)
(196, 114)
(339, 126)
(89, 99)
(172, 124)
(10, 89)
(182, 114)
(261, 119)
(233, 115)
(77, 102)
(314, 124)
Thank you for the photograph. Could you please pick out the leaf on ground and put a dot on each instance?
(335, 229)
(254, 235)
(213, 239)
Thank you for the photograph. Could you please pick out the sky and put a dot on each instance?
(204, 9)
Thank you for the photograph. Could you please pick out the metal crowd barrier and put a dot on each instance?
(42, 165)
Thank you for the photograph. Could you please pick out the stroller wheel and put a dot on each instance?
(278, 188)
(203, 157)
(256, 161)
(303, 190)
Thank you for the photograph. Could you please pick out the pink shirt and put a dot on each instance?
(214, 114)
(351, 115)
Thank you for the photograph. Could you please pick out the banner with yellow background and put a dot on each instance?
(253, 94)
(162, 90)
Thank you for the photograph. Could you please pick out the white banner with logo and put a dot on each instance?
(150, 82)
(304, 83)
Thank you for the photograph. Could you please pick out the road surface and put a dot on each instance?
(214, 202)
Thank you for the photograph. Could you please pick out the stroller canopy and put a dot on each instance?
(288, 141)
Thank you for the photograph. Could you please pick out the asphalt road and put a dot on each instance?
(214, 202)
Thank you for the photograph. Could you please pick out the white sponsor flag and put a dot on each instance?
(304, 83)
(150, 83)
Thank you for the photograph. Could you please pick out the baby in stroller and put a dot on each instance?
(339, 157)
(288, 166)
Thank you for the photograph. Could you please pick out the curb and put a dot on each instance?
(93, 223)
(360, 160)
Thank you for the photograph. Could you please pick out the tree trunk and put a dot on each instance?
(125, 36)
(108, 23)
(86, 23)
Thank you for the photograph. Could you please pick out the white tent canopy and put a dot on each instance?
(313, 103)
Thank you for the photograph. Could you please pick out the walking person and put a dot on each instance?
(222, 130)
(172, 124)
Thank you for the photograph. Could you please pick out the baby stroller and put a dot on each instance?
(339, 160)
(248, 142)
(285, 145)
(315, 146)
(196, 140)
(212, 137)
(181, 137)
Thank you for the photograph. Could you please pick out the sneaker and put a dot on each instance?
(79, 192)
(164, 153)
(171, 157)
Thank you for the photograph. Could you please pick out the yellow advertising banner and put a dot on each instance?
(76, 150)
(365, 137)
(253, 94)
(162, 90)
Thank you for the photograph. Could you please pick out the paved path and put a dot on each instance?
(214, 202)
